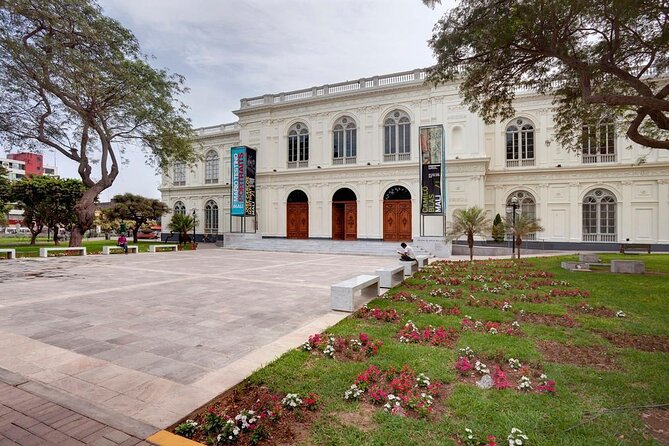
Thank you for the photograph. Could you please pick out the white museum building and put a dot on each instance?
(342, 161)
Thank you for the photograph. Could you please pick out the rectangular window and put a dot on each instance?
(389, 139)
(351, 143)
(404, 137)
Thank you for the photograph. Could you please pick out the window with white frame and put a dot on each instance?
(179, 208)
(526, 205)
(211, 167)
(179, 172)
(344, 141)
(598, 143)
(298, 145)
(211, 217)
(599, 216)
(397, 136)
(520, 143)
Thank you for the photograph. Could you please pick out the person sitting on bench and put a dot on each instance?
(406, 253)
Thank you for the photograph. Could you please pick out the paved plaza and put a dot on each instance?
(139, 341)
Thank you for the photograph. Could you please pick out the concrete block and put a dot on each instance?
(409, 267)
(575, 266)
(589, 258)
(628, 266)
(389, 276)
(343, 294)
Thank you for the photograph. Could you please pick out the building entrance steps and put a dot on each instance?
(352, 247)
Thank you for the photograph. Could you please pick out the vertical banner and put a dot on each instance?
(431, 170)
(238, 180)
(243, 176)
(250, 182)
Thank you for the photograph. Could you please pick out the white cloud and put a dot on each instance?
(231, 49)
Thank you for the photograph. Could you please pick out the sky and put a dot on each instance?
(232, 49)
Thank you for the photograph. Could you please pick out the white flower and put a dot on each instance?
(481, 368)
(291, 400)
(507, 306)
(468, 352)
(514, 363)
(525, 384)
(329, 351)
(306, 346)
(353, 393)
(492, 330)
(620, 313)
(422, 380)
(515, 324)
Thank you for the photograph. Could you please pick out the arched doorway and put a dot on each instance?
(297, 224)
(397, 214)
(344, 215)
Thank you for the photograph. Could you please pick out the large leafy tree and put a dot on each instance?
(49, 202)
(605, 61)
(76, 81)
(140, 210)
(469, 223)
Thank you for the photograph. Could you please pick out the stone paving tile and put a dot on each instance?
(30, 420)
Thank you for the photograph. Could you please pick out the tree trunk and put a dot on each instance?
(519, 242)
(470, 243)
(85, 210)
(135, 230)
(56, 235)
(33, 236)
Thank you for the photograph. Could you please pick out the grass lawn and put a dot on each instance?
(591, 373)
(24, 249)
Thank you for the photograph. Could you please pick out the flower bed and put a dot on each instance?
(437, 336)
(646, 343)
(592, 356)
(430, 308)
(547, 319)
(402, 296)
(376, 313)
(511, 375)
(353, 349)
(586, 308)
(491, 327)
(251, 415)
(399, 392)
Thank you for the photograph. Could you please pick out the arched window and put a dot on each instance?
(179, 171)
(298, 145)
(211, 167)
(526, 205)
(520, 143)
(599, 216)
(397, 136)
(179, 208)
(344, 141)
(598, 143)
(211, 217)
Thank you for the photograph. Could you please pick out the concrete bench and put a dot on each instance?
(343, 293)
(157, 248)
(628, 266)
(409, 267)
(106, 250)
(9, 253)
(421, 261)
(639, 247)
(391, 275)
(588, 258)
(44, 252)
(575, 266)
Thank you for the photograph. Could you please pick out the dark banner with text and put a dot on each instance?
(431, 172)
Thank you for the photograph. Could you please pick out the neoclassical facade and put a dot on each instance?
(342, 162)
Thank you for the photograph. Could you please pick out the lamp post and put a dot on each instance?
(194, 219)
(513, 208)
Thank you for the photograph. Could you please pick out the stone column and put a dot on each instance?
(575, 214)
(625, 209)
(663, 211)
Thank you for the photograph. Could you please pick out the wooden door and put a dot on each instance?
(351, 220)
(337, 221)
(396, 220)
(297, 225)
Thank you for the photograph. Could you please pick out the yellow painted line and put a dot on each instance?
(164, 438)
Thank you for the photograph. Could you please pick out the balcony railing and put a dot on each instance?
(179, 183)
(520, 163)
(389, 157)
(296, 164)
(344, 160)
(599, 237)
(599, 158)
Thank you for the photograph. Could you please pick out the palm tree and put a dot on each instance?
(183, 224)
(521, 227)
(469, 222)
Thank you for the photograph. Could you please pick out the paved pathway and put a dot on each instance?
(148, 338)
